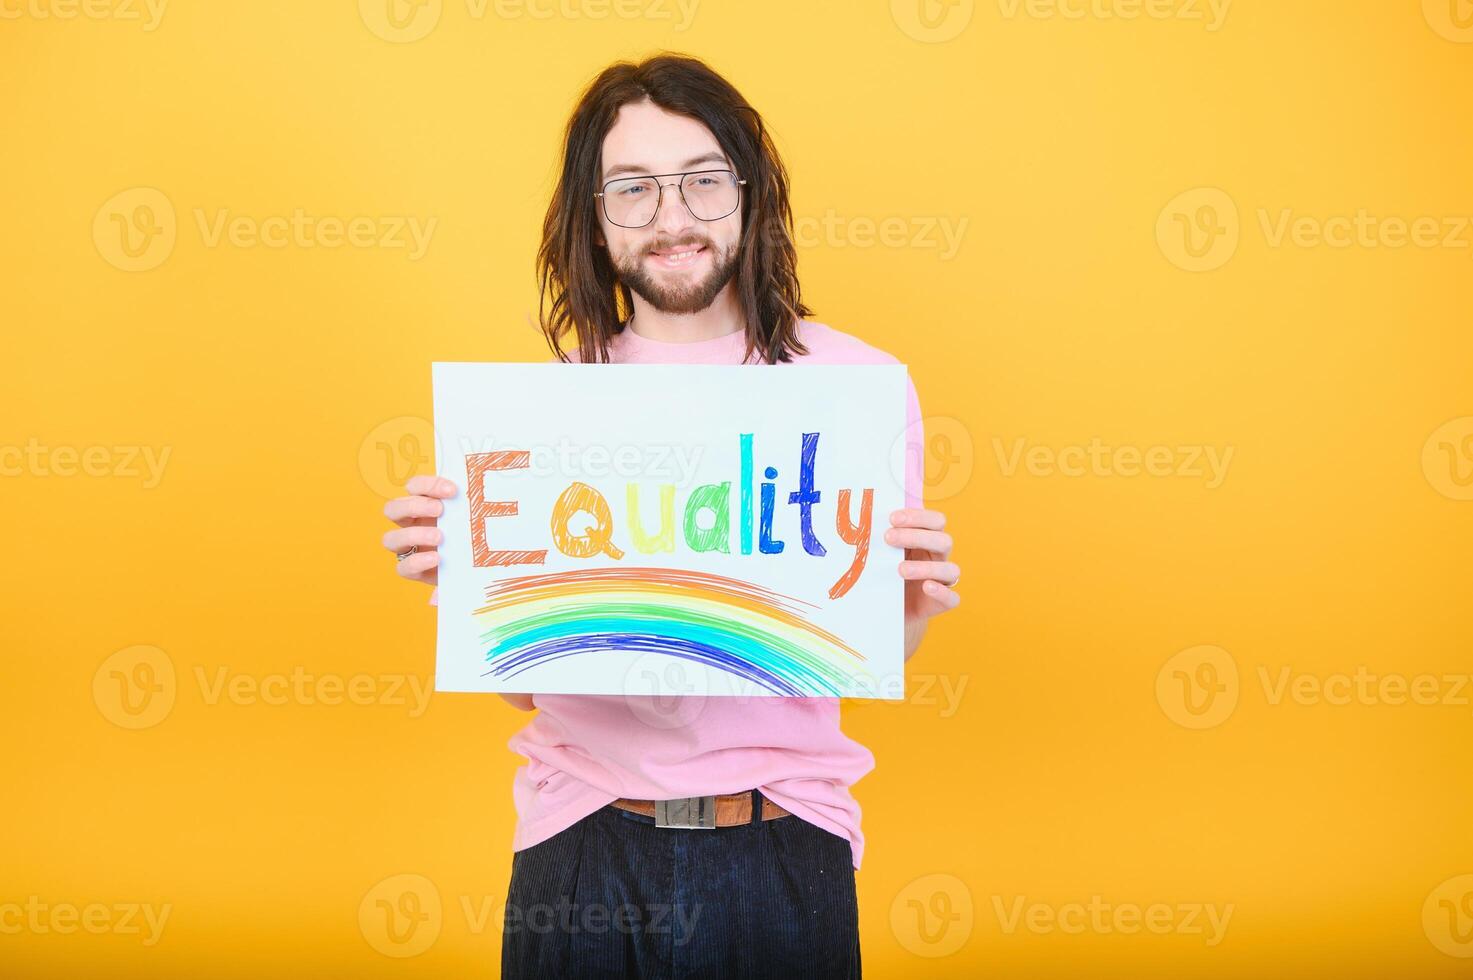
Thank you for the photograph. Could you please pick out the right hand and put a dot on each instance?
(416, 515)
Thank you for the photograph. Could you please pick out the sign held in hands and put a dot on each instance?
(649, 529)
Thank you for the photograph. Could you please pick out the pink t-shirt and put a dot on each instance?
(585, 751)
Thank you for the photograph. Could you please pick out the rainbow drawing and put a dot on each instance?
(725, 623)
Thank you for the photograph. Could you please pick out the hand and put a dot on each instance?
(416, 515)
(929, 574)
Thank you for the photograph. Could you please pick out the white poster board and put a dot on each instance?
(640, 528)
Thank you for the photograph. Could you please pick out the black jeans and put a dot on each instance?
(615, 896)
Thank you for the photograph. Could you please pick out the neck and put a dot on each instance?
(722, 317)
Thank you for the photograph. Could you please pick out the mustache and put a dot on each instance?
(658, 246)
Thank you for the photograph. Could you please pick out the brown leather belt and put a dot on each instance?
(702, 812)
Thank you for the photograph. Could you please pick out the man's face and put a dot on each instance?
(677, 263)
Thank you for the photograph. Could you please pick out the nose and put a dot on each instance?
(674, 218)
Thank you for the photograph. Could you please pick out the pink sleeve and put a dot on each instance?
(915, 448)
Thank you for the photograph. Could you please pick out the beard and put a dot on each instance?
(681, 297)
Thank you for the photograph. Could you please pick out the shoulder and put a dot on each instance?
(828, 344)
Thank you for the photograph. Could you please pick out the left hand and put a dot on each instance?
(927, 569)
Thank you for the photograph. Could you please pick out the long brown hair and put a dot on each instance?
(580, 289)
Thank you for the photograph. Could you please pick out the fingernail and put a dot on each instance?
(445, 486)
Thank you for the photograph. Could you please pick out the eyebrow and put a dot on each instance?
(634, 168)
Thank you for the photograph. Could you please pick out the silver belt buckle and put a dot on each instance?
(690, 813)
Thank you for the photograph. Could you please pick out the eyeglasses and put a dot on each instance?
(633, 202)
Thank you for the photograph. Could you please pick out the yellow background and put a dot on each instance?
(1334, 542)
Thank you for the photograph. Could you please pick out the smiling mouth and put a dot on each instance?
(676, 258)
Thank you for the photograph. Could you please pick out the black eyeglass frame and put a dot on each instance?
(660, 194)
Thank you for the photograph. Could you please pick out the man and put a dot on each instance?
(668, 240)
